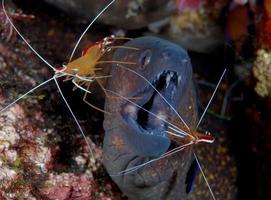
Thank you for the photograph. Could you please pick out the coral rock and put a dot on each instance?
(262, 72)
(69, 186)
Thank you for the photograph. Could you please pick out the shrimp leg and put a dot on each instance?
(123, 47)
(91, 105)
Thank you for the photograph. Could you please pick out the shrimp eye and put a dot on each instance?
(145, 58)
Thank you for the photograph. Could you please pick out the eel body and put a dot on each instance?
(132, 135)
(132, 14)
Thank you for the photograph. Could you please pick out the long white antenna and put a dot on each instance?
(75, 119)
(18, 32)
(172, 133)
(25, 94)
(201, 170)
(211, 98)
(178, 131)
(167, 154)
(203, 114)
(82, 35)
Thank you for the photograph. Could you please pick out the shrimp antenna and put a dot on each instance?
(82, 35)
(157, 93)
(167, 154)
(204, 112)
(211, 98)
(201, 170)
(25, 94)
(22, 37)
(75, 119)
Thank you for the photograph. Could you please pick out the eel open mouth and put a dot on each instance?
(168, 84)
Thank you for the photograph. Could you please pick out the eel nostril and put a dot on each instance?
(185, 62)
(145, 58)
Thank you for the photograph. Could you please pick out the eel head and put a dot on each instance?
(154, 86)
(141, 98)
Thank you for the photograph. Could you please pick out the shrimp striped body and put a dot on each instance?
(83, 70)
(85, 66)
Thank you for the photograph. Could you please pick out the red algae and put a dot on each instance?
(69, 186)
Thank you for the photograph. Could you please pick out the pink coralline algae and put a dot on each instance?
(24, 151)
(69, 186)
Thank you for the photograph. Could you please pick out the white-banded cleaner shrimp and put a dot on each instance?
(81, 71)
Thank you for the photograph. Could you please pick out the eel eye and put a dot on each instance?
(145, 58)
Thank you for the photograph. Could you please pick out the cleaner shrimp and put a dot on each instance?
(84, 77)
(81, 71)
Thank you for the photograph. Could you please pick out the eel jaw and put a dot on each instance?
(168, 83)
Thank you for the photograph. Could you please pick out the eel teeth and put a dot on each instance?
(169, 76)
(179, 79)
(168, 79)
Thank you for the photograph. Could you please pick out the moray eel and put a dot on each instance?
(132, 136)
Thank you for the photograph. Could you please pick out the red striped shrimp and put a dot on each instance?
(82, 70)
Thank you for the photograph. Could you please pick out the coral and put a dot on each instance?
(262, 72)
(8, 134)
(10, 165)
(25, 157)
(192, 21)
(7, 176)
(195, 25)
(69, 186)
(83, 158)
(194, 30)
